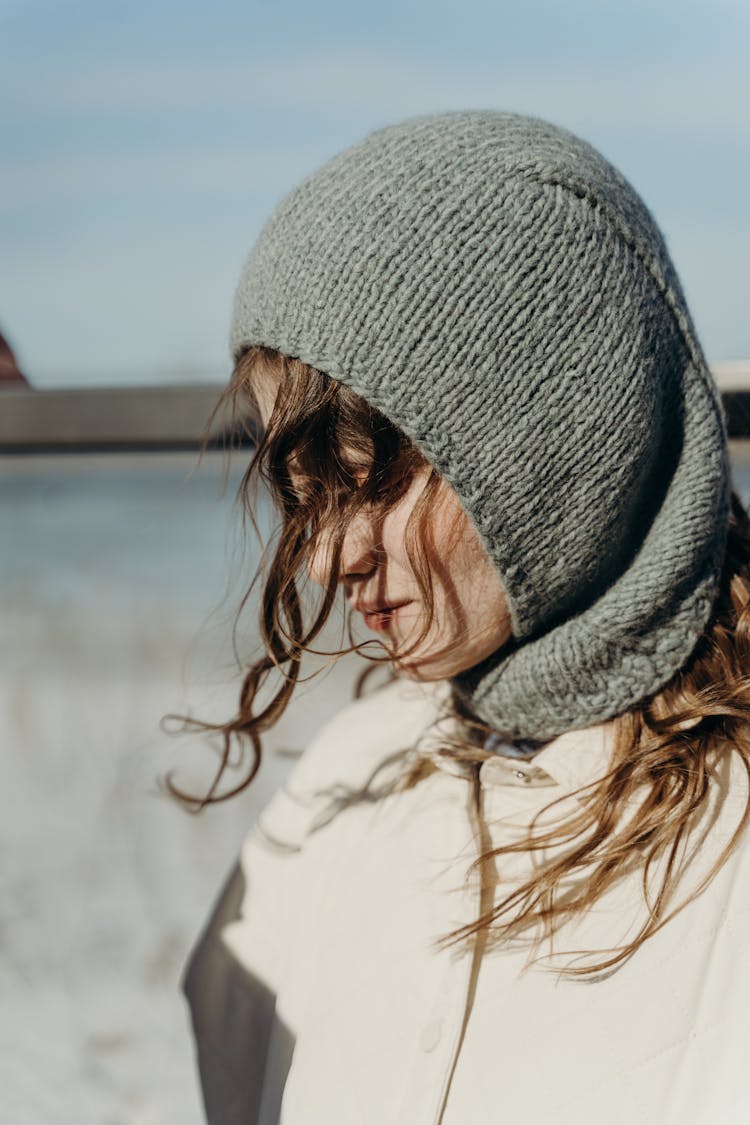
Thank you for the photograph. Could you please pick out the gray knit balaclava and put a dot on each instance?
(497, 289)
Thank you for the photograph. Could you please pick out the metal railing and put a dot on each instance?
(106, 418)
(176, 417)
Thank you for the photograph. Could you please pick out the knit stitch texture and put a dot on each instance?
(497, 289)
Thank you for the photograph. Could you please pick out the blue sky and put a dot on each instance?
(142, 145)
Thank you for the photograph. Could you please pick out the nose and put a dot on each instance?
(357, 553)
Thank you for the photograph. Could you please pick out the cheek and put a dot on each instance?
(453, 533)
(475, 580)
(395, 524)
(459, 554)
(484, 578)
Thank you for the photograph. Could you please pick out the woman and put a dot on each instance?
(511, 883)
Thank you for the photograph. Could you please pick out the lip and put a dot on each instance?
(378, 607)
(379, 617)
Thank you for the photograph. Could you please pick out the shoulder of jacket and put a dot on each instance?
(368, 730)
(345, 753)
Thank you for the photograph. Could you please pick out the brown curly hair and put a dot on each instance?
(345, 456)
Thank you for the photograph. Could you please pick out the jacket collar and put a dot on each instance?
(572, 760)
(578, 757)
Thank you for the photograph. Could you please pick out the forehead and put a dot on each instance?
(265, 386)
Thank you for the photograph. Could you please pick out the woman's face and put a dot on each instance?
(470, 618)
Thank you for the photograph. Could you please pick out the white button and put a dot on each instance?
(509, 771)
(430, 1036)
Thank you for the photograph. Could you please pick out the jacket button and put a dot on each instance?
(430, 1035)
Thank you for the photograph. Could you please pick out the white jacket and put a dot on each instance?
(319, 999)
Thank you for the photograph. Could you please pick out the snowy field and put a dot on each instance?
(119, 576)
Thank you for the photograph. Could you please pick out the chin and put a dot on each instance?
(423, 671)
(438, 656)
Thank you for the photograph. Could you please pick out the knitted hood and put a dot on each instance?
(497, 289)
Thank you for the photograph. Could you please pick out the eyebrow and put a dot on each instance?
(253, 415)
(252, 399)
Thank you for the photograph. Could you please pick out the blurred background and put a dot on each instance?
(144, 143)
(141, 147)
